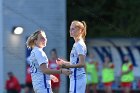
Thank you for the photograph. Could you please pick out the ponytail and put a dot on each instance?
(84, 29)
(30, 41)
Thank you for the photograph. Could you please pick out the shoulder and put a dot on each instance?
(38, 51)
(80, 44)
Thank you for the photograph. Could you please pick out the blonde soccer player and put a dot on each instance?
(77, 58)
(40, 73)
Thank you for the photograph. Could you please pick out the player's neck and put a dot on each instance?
(77, 39)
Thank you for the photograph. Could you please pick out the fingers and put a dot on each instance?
(55, 79)
(58, 62)
(66, 72)
(69, 72)
(58, 59)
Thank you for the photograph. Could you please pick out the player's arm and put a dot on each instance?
(129, 70)
(42, 60)
(80, 64)
(80, 49)
(60, 62)
(46, 70)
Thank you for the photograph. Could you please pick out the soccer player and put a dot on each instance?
(77, 58)
(108, 74)
(127, 75)
(28, 81)
(12, 84)
(54, 65)
(92, 74)
(40, 73)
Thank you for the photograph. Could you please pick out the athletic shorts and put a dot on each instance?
(126, 84)
(43, 87)
(107, 84)
(78, 84)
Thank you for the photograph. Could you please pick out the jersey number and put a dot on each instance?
(33, 68)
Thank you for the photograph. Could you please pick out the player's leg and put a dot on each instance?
(95, 87)
(81, 85)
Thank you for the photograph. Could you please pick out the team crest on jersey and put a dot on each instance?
(72, 52)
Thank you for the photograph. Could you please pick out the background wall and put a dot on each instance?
(1, 48)
(49, 15)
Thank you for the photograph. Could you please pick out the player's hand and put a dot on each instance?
(66, 72)
(60, 62)
(54, 78)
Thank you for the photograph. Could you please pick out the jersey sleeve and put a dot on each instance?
(41, 57)
(80, 49)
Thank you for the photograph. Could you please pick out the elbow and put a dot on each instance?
(45, 71)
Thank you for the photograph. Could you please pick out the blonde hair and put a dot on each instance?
(30, 41)
(82, 25)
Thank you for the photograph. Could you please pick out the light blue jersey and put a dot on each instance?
(78, 75)
(40, 81)
(78, 48)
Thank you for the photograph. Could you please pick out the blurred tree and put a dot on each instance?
(106, 18)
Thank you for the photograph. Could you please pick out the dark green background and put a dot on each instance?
(106, 18)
